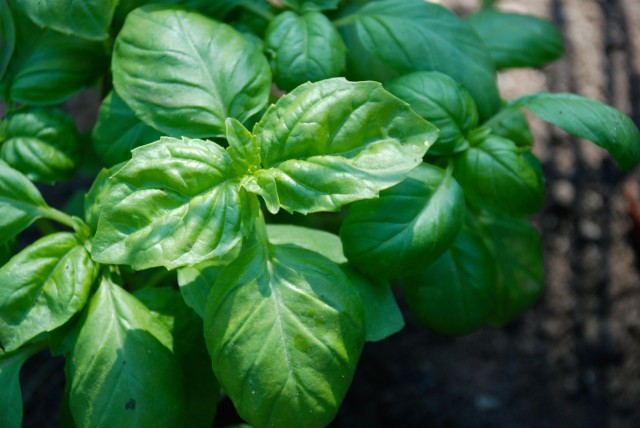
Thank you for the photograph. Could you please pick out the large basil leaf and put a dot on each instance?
(118, 131)
(456, 294)
(43, 286)
(49, 67)
(42, 144)
(518, 256)
(495, 174)
(174, 203)
(201, 69)
(407, 227)
(11, 397)
(333, 142)
(88, 19)
(591, 120)
(304, 48)
(20, 202)
(414, 35)
(284, 328)
(201, 390)
(516, 40)
(7, 37)
(443, 102)
(121, 370)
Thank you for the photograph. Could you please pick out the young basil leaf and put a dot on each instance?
(42, 144)
(310, 5)
(284, 328)
(202, 69)
(518, 255)
(382, 316)
(414, 35)
(495, 174)
(20, 202)
(43, 287)
(88, 19)
(48, 67)
(118, 131)
(514, 127)
(456, 293)
(304, 48)
(325, 243)
(94, 199)
(7, 37)
(442, 101)
(591, 120)
(517, 40)
(11, 397)
(122, 371)
(243, 148)
(333, 142)
(201, 390)
(175, 203)
(407, 227)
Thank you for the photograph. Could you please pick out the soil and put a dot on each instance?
(573, 360)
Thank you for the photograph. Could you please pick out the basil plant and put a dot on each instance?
(198, 265)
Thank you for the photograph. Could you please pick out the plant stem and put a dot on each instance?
(345, 20)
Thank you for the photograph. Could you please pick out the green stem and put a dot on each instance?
(78, 226)
(345, 20)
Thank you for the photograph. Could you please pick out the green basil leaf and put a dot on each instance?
(48, 67)
(243, 148)
(11, 397)
(43, 287)
(20, 202)
(518, 254)
(313, 5)
(325, 243)
(284, 328)
(217, 8)
(201, 390)
(94, 199)
(88, 19)
(175, 203)
(495, 174)
(7, 250)
(514, 127)
(7, 37)
(202, 69)
(517, 40)
(118, 131)
(407, 227)
(591, 120)
(42, 144)
(414, 35)
(333, 142)
(382, 315)
(122, 371)
(304, 48)
(456, 293)
(442, 101)
(196, 281)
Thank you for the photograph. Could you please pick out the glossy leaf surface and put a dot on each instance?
(87, 19)
(414, 35)
(514, 127)
(456, 294)
(442, 101)
(43, 287)
(202, 69)
(304, 48)
(121, 370)
(118, 131)
(495, 174)
(517, 40)
(333, 142)
(42, 144)
(407, 227)
(20, 202)
(591, 120)
(174, 204)
(284, 330)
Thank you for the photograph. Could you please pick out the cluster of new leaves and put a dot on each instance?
(172, 288)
